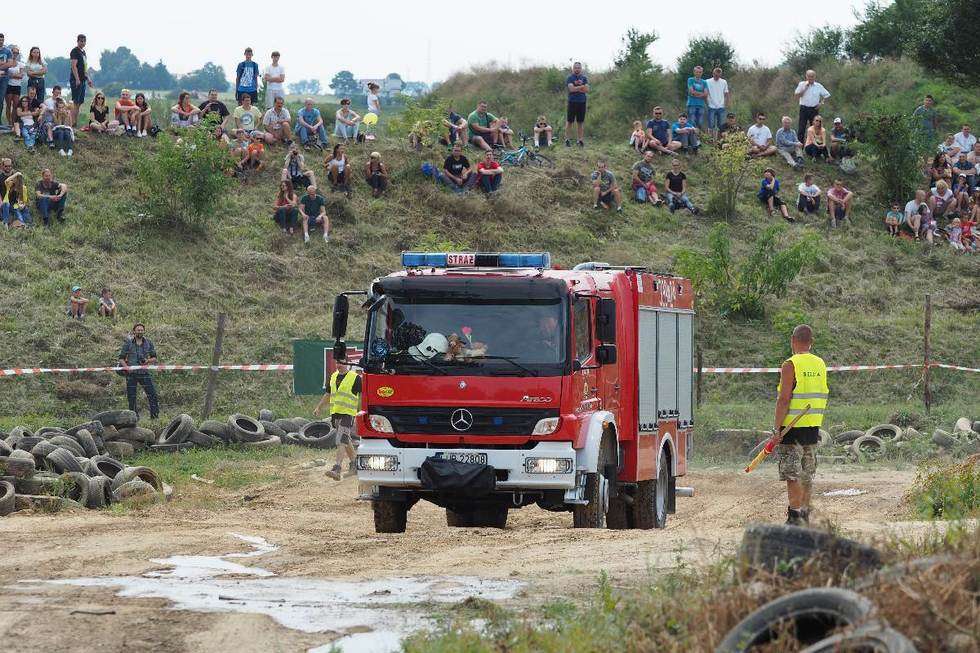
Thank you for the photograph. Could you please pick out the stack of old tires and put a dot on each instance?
(820, 619)
(52, 468)
(265, 431)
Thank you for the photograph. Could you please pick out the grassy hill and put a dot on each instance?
(864, 294)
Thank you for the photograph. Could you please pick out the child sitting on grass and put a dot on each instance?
(76, 304)
(894, 218)
(954, 234)
(638, 139)
(769, 195)
(107, 305)
(542, 132)
(506, 133)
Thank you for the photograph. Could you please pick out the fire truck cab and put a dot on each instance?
(493, 381)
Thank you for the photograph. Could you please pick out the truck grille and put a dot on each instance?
(437, 420)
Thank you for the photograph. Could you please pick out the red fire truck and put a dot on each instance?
(494, 381)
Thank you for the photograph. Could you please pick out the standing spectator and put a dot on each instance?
(338, 170)
(456, 171)
(644, 188)
(543, 132)
(285, 208)
(839, 201)
(15, 75)
(376, 174)
(697, 91)
(918, 216)
(761, 138)
(76, 304)
(373, 99)
(605, 190)
(98, 120)
(107, 304)
(483, 127)
(788, 145)
(14, 198)
(769, 195)
(816, 141)
(928, 118)
(839, 135)
(658, 134)
(36, 70)
(213, 106)
(295, 170)
(274, 77)
(893, 219)
(63, 134)
(78, 76)
(941, 199)
(247, 117)
(309, 126)
(808, 201)
(686, 134)
(184, 114)
(489, 173)
(247, 79)
(51, 197)
(963, 139)
(677, 189)
(347, 122)
(126, 112)
(638, 137)
(138, 350)
(276, 123)
(578, 88)
(456, 124)
(5, 63)
(144, 116)
(811, 95)
(313, 212)
(718, 98)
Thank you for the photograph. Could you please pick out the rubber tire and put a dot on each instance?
(976, 426)
(246, 429)
(70, 444)
(293, 438)
(49, 431)
(855, 447)
(266, 415)
(898, 571)
(143, 473)
(20, 464)
(885, 431)
(271, 428)
(99, 493)
(781, 547)
(592, 515)
(107, 466)
(119, 449)
(80, 490)
(847, 437)
(202, 439)
(870, 638)
(61, 461)
(5, 448)
(288, 424)
(118, 418)
(28, 442)
(172, 448)
(177, 430)
(540, 161)
(943, 439)
(87, 443)
(220, 430)
(96, 428)
(646, 514)
(271, 441)
(40, 483)
(817, 611)
(825, 439)
(620, 514)
(136, 434)
(133, 488)
(389, 516)
(459, 518)
(7, 492)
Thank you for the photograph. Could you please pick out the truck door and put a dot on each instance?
(585, 389)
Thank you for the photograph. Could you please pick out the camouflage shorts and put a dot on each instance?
(797, 462)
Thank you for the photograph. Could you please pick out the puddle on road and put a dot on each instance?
(376, 614)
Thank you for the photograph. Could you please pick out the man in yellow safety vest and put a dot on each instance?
(344, 396)
(802, 383)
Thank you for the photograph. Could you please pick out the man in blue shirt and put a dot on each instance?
(686, 134)
(309, 123)
(697, 91)
(137, 350)
(247, 78)
(578, 89)
(658, 131)
(5, 62)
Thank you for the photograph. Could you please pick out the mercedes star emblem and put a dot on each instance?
(461, 419)
(462, 385)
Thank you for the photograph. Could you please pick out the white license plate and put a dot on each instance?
(466, 457)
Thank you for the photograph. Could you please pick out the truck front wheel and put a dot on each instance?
(650, 503)
(593, 514)
(389, 516)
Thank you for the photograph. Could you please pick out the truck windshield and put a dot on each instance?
(526, 338)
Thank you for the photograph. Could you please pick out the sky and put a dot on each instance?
(420, 41)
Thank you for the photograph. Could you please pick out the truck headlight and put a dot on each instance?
(548, 465)
(380, 423)
(377, 463)
(545, 426)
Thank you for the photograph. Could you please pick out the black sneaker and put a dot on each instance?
(794, 517)
(568, 142)
(581, 143)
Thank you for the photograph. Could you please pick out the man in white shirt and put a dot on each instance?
(761, 137)
(964, 140)
(811, 95)
(274, 77)
(276, 123)
(718, 96)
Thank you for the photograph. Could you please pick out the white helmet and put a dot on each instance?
(432, 345)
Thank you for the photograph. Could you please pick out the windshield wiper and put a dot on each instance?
(509, 359)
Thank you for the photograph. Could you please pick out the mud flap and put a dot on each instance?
(463, 480)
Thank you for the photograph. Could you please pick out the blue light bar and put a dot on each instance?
(476, 259)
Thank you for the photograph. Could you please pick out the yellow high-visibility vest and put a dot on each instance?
(343, 401)
(811, 388)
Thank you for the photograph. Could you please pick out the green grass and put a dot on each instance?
(231, 467)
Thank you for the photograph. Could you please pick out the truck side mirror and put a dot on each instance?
(605, 320)
(605, 354)
(341, 306)
(340, 350)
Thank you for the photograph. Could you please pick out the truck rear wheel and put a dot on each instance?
(620, 515)
(650, 503)
(593, 514)
(390, 516)
(479, 518)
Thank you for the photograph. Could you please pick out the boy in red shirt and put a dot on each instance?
(489, 173)
(252, 155)
(966, 235)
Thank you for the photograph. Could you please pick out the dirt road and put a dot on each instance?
(323, 532)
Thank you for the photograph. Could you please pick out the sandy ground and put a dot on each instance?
(323, 532)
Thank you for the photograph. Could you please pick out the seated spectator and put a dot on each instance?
(760, 137)
(76, 304)
(309, 126)
(808, 201)
(239, 145)
(644, 188)
(126, 112)
(964, 141)
(949, 149)
(605, 190)
(286, 211)
(839, 136)
(25, 127)
(658, 134)
(730, 126)
(13, 194)
(638, 137)
(489, 174)
(222, 136)
(963, 167)
(506, 133)
(376, 174)
(144, 116)
(338, 170)
(483, 128)
(456, 171)
(313, 212)
(940, 170)
(51, 197)
(295, 170)
(348, 121)
(62, 132)
(974, 158)
(686, 134)
(816, 141)
(184, 114)
(276, 124)
(954, 234)
(252, 154)
(107, 304)
(788, 144)
(839, 202)
(769, 195)
(918, 216)
(543, 133)
(894, 219)
(941, 199)
(213, 107)
(456, 125)
(247, 116)
(98, 122)
(677, 189)
(961, 194)
(969, 222)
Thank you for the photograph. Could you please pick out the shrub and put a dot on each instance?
(805, 50)
(729, 169)
(421, 118)
(638, 82)
(948, 491)
(895, 145)
(708, 52)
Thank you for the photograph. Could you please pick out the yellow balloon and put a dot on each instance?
(371, 119)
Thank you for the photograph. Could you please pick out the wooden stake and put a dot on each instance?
(700, 371)
(926, 392)
(213, 372)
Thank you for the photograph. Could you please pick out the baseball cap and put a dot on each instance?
(76, 288)
(837, 120)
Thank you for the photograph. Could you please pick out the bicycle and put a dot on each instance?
(524, 156)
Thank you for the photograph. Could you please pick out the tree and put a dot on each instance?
(804, 51)
(344, 84)
(205, 78)
(730, 168)
(305, 87)
(58, 71)
(637, 83)
(706, 51)
(119, 65)
(882, 30)
(895, 145)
